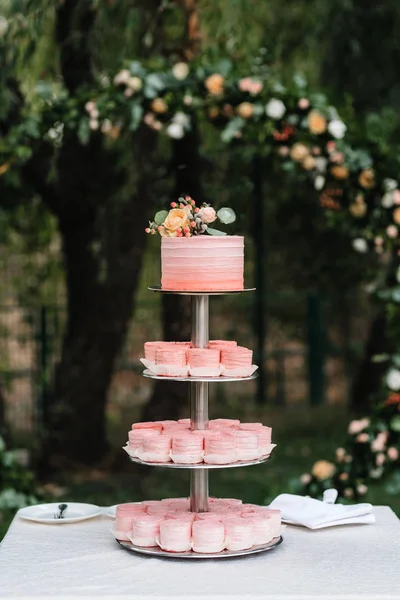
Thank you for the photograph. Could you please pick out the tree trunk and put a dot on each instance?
(169, 398)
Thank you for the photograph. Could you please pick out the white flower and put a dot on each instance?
(275, 109)
(393, 380)
(90, 106)
(106, 126)
(180, 70)
(389, 185)
(175, 131)
(319, 182)
(337, 128)
(93, 124)
(3, 26)
(181, 119)
(387, 200)
(360, 245)
(134, 83)
(226, 215)
(122, 77)
(305, 478)
(321, 163)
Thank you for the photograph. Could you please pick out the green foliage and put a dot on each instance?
(17, 484)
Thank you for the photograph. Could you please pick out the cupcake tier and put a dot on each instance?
(156, 551)
(202, 466)
(220, 379)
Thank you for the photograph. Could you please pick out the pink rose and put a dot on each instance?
(207, 214)
(255, 87)
(393, 453)
(380, 459)
(379, 443)
(391, 231)
(396, 197)
(245, 84)
(362, 438)
(303, 103)
(357, 426)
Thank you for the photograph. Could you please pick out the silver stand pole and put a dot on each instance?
(199, 402)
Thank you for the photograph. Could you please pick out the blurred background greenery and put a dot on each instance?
(76, 218)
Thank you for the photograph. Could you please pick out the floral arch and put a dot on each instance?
(356, 188)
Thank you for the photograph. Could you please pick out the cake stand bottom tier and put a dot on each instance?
(156, 551)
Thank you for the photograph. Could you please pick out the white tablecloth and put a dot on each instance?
(82, 560)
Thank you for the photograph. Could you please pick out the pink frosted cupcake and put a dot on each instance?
(187, 447)
(220, 344)
(219, 448)
(156, 448)
(208, 536)
(238, 534)
(146, 530)
(246, 445)
(176, 535)
(122, 527)
(204, 362)
(223, 423)
(137, 437)
(263, 530)
(171, 362)
(237, 362)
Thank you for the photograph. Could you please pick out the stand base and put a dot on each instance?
(156, 551)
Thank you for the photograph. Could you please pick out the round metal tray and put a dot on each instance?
(202, 466)
(156, 551)
(157, 288)
(149, 374)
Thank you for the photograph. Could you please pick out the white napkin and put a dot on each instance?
(316, 514)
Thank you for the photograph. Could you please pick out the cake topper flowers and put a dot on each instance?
(185, 219)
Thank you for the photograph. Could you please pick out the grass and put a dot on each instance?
(302, 436)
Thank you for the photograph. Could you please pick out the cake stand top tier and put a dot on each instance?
(158, 288)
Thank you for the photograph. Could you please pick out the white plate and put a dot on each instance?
(75, 511)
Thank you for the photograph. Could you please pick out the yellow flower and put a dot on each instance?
(358, 209)
(367, 179)
(245, 110)
(396, 216)
(316, 122)
(214, 84)
(340, 172)
(308, 163)
(159, 106)
(299, 152)
(177, 218)
(323, 469)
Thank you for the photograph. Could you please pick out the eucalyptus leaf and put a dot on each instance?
(84, 131)
(160, 217)
(136, 116)
(232, 128)
(226, 215)
(212, 231)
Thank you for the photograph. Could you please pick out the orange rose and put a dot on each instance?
(159, 106)
(316, 122)
(245, 110)
(367, 179)
(358, 209)
(177, 218)
(323, 469)
(340, 172)
(299, 152)
(214, 84)
(396, 216)
(308, 163)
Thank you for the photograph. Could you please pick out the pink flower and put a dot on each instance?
(379, 443)
(245, 84)
(362, 438)
(331, 146)
(283, 150)
(393, 453)
(147, 230)
(303, 103)
(305, 478)
(337, 157)
(255, 87)
(362, 489)
(357, 426)
(340, 454)
(396, 196)
(380, 459)
(208, 214)
(173, 204)
(391, 231)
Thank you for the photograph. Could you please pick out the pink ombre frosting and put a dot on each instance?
(236, 358)
(171, 356)
(239, 534)
(176, 535)
(208, 536)
(202, 263)
(187, 447)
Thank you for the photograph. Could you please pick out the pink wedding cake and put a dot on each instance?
(202, 263)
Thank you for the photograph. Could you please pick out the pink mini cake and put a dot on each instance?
(237, 362)
(155, 425)
(187, 447)
(219, 448)
(146, 530)
(204, 362)
(208, 536)
(136, 439)
(219, 344)
(171, 362)
(275, 516)
(238, 534)
(246, 445)
(175, 535)
(202, 263)
(122, 527)
(156, 448)
(262, 528)
(223, 423)
(150, 350)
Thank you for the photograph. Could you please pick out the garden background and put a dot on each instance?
(108, 111)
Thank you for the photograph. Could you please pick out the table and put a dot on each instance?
(82, 560)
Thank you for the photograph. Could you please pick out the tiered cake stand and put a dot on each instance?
(199, 419)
